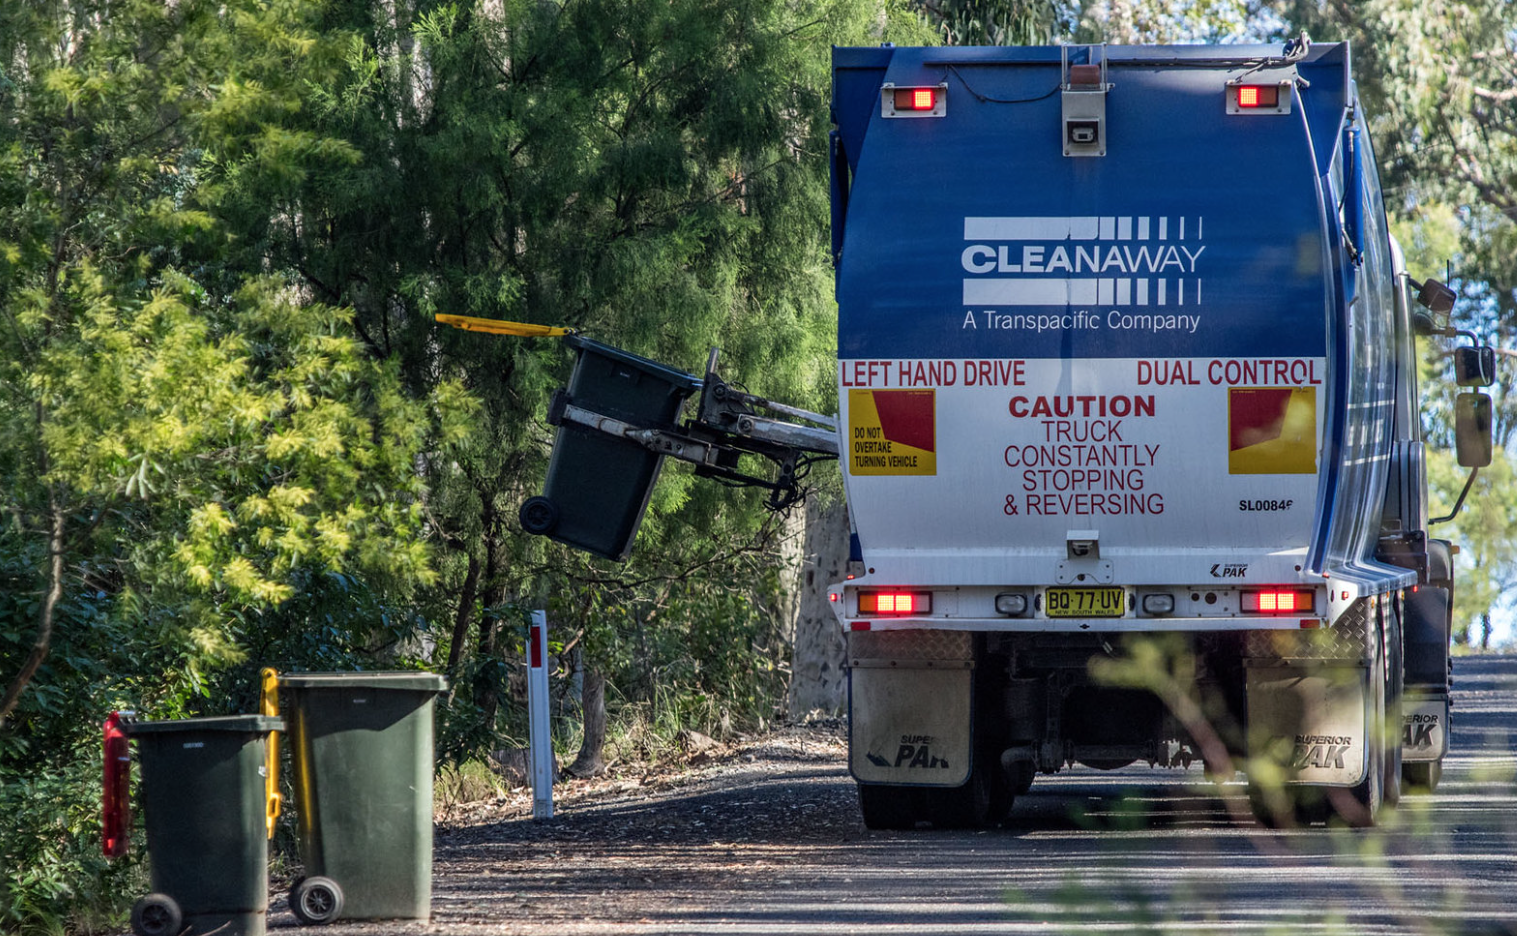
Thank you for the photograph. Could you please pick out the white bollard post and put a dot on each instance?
(541, 737)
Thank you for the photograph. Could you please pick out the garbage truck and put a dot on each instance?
(1126, 356)
(1128, 428)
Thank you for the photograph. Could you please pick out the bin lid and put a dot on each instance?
(246, 724)
(687, 383)
(405, 680)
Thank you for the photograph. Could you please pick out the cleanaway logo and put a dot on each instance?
(1084, 261)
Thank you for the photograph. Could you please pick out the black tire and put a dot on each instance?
(889, 807)
(1290, 807)
(963, 807)
(1366, 798)
(538, 515)
(157, 915)
(1021, 777)
(1395, 683)
(1006, 784)
(1108, 764)
(1422, 776)
(316, 901)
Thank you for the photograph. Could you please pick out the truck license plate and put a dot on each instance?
(1083, 602)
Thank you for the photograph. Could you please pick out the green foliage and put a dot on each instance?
(1138, 22)
(991, 22)
(201, 461)
(1486, 529)
(52, 858)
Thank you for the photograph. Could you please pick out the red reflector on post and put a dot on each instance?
(1252, 96)
(1276, 601)
(890, 602)
(916, 99)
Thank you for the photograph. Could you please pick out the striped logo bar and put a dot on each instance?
(1052, 253)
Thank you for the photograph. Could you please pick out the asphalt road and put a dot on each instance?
(776, 848)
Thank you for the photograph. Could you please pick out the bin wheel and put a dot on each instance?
(538, 515)
(157, 915)
(1422, 776)
(316, 900)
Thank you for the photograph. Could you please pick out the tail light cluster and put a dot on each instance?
(895, 602)
(1276, 600)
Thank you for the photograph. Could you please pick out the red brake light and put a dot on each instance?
(916, 99)
(895, 602)
(1254, 96)
(1277, 601)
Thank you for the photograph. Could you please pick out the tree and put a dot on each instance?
(184, 446)
(173, 442)
(996, 22)
(652, 174)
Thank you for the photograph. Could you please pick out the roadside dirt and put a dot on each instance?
(811, 757)
(694, 829)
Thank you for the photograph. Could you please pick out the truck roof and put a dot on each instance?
(979, 209)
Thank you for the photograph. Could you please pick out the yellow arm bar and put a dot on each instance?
(502, 327)
(268, 704)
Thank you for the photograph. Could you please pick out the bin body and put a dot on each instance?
(599, 484)
(203, 798)
(362, 750)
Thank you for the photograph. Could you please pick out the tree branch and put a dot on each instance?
(44, 640)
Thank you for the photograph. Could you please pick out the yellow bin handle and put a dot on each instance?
(268, 704)
(503, 327)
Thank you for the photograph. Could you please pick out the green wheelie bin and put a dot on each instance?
(598, 484)
(362, 759)
(204, 796)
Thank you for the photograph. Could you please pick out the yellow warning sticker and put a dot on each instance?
(1272, 430)
(892, 432)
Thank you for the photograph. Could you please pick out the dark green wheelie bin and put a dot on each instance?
(362, 760)
(204, 800)
(598, 484)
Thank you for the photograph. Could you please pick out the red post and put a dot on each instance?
(116, 807)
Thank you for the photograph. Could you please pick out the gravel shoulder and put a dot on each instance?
(763, 837)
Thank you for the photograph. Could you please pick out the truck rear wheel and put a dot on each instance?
(1381, 785)
(1369, 794)
(1359, 805)
(890, 807)
(964, 807)
(1423, 776)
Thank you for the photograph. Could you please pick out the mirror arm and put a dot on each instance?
(1460, 502)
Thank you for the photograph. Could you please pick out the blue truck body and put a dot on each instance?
(1148, 368)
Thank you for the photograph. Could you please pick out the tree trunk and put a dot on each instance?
(44, 641)
(465, 613)
(591, 758)
(817, 679)
(486, 696)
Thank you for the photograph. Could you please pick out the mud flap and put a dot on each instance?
(1311, 719)
(1426, 622)
(909, 726)
(910, 706)
(1425, 727)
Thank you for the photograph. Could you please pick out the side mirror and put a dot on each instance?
(1472, 429)
(1435, 297)
(1475, 367)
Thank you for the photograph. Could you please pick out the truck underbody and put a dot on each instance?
(970, 718)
